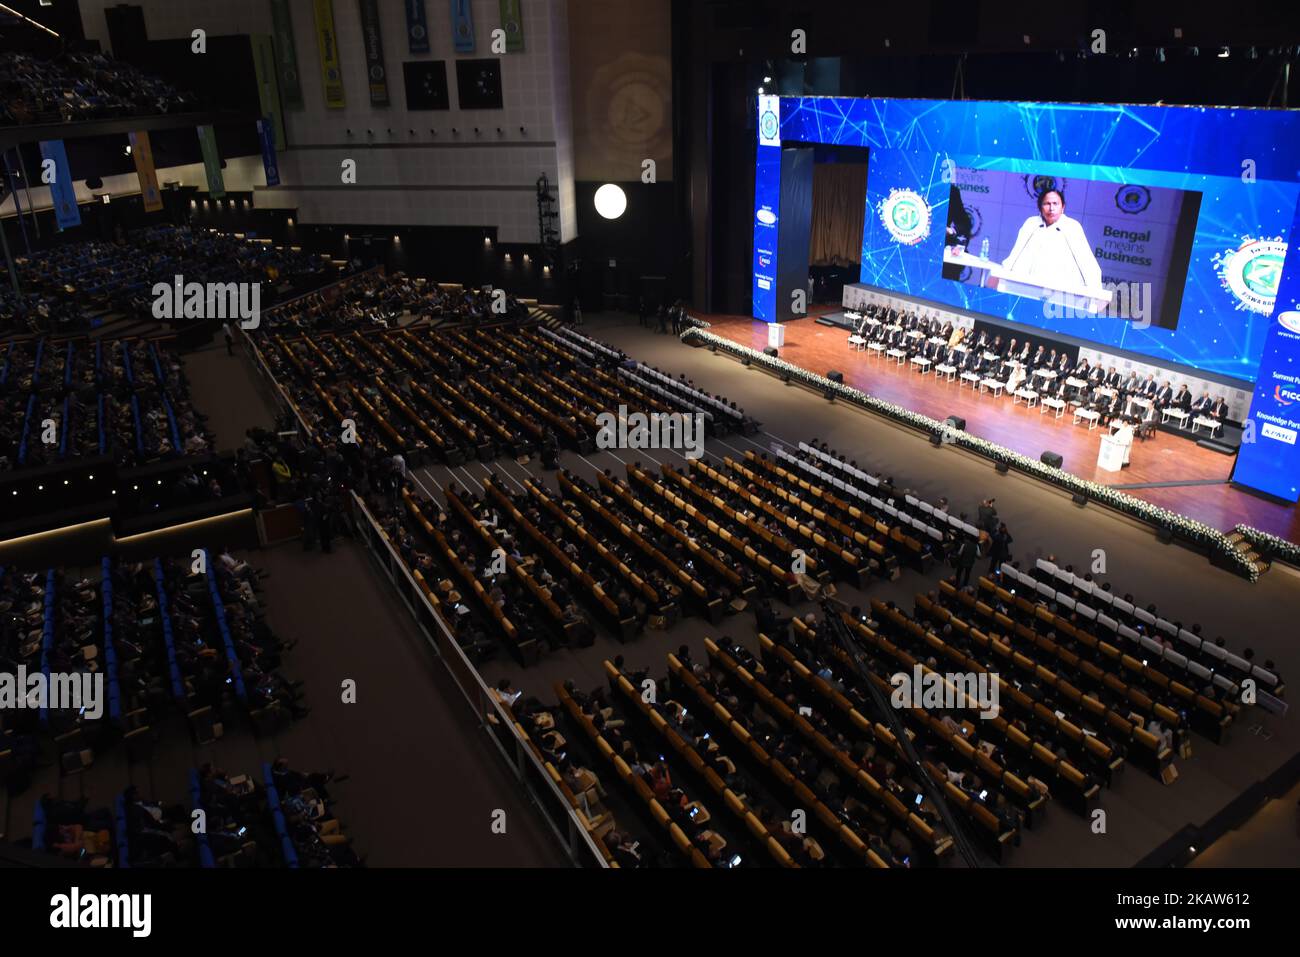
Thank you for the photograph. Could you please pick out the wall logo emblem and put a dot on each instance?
(1290, 321)
(906, 215)
(1132, 199)
(767, 217)
(1251, 272)
(1035, 185)
(769, 125)
(1285, 396)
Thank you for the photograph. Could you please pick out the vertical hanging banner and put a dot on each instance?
(462, 26)
(268, 85)
(62, 193)
(417, 26)
(286, 55)
(266, 133)
(512, 21)
(331, 73)
(374, 44)
(142, 153)
(211, 162)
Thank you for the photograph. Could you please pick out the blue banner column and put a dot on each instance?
(767, 205)
(1271, 463)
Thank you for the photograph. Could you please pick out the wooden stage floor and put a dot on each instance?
(1165, 458)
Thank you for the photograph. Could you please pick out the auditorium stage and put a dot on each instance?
(1166, 470)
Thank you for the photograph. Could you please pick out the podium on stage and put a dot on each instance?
(775, 335)
(1115, 449)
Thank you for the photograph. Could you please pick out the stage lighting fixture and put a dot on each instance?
(767, 79)
(1160, 54)
(611, 201)
(126, 150)
(1224, 53)
(760, 91)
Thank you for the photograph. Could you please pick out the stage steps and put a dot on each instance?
(1243, 545)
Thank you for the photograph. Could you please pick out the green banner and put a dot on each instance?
(327, 42)
(211, 162)
(286, 55)
(268, 88)
(512, 21)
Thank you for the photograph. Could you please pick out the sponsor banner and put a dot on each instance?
(266, 133)
(417, 26)
(512, 21)
(142, 153)
(462, 26)
(268, 84)
(373, 41)
(211, 162)
(286, 55)
(1270, 275)
(62, 193)
(331, 72)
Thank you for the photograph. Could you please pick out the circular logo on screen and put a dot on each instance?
(1290, 321)
(417, 32)
(1036, 185)
(768, 125)
(376, 73)
(906, 215)
(976, 220)
(1251, 272)
(1132, 199)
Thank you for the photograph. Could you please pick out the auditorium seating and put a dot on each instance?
(1131, 621)
(93, 284)
(128, 398)
(76, 87)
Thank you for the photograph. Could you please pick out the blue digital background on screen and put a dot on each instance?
(1231, 173)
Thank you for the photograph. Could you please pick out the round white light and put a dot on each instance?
(611, 201)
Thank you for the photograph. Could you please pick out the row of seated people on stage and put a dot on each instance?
(1044, 370)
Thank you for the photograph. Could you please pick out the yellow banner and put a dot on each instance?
(142, 153)
(327, 41)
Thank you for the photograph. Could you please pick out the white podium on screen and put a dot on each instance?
(775, 335)
(1077, 298)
